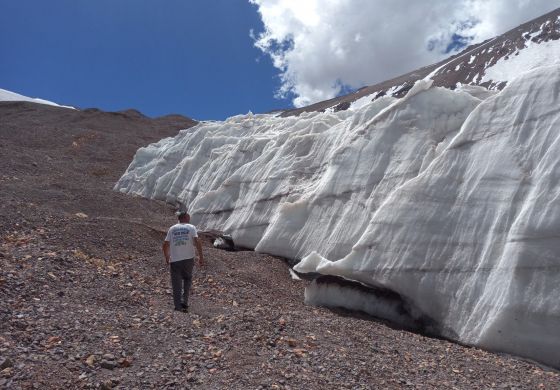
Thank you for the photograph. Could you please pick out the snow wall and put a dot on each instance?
(450, 201)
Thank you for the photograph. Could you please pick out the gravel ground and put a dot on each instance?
(85, 299)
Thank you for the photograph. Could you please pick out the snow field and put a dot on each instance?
(531, 57)
(8, 96)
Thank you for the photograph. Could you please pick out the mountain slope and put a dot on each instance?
(85, 296)
(55, 155)
(471, 65)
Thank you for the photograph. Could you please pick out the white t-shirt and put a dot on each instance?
(180, 237)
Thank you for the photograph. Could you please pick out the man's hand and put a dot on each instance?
(198, 245)
(165, 249)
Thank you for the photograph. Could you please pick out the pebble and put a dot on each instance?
(5, 363)
(109, 356)
(106, 385)
(110, 365)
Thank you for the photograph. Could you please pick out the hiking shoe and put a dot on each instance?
(185, 307)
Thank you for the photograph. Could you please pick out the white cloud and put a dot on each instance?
(319, 46)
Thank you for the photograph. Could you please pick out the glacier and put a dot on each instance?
(449, 198)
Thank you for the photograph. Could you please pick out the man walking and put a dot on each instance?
(178, 249)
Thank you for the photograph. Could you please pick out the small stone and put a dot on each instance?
(7, 372)
(5, 363)
(125, 362)
(106, 385)
(108, 364)
(90, 360)
(109, 356)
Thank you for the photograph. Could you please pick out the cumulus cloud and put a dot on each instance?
(321, 47)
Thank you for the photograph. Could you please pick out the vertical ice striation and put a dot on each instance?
(448, 200)
(473, 241)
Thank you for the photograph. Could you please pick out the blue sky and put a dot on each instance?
(196, 57)
(190, 57)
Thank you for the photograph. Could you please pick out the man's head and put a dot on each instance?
(183, 216)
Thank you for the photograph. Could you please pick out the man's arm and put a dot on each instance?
(165, 249)
(198, 245)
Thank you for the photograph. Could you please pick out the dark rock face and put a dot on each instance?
(342, 106)
(466, 67)
(224, 242)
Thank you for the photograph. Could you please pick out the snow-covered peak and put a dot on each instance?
(491, 64)
(6, 95)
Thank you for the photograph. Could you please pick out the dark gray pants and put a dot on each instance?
(181, 280)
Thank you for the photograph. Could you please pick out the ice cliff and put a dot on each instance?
(449, 200)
